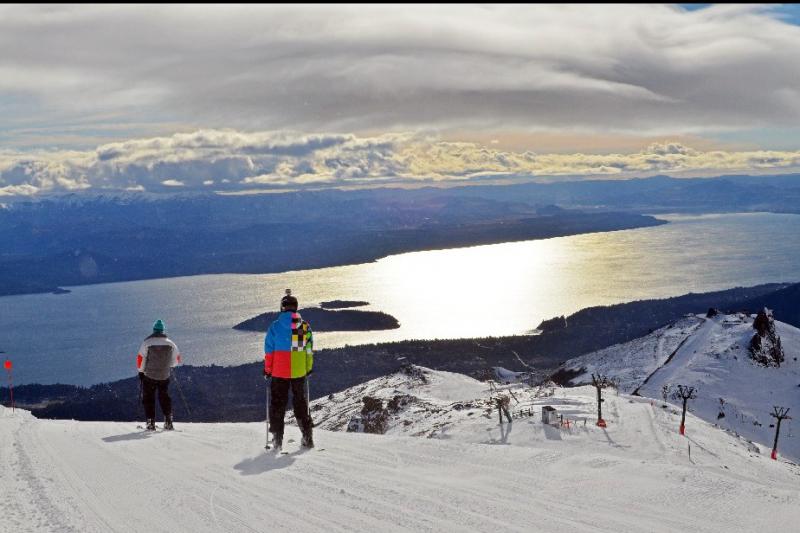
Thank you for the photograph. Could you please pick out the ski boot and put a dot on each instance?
(307, 441)
(168, 423)
(277, 442)
(151, 424)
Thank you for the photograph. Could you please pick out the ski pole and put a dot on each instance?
(308, 396)
(267, 396)
(180, 391)
(141, 394)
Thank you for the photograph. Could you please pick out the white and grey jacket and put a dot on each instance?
(157, 355)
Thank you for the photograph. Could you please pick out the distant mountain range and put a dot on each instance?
(80, 239)
(660, 194)
(74, 241)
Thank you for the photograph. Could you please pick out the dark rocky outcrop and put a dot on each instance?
(400, 402)
(374, 416)
(765, 346)
(414, 372)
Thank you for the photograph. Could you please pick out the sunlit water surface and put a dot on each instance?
(92, 334)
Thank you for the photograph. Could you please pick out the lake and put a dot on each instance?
(92, 334)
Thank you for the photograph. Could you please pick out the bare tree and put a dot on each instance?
(684, 393)
(600, 382)
(503, 402)
(780, 414)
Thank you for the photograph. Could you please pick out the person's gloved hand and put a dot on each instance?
(267, 375)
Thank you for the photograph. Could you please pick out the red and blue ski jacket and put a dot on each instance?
(288, 347)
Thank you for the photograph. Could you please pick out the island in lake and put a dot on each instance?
(326, 320)
(342, 304)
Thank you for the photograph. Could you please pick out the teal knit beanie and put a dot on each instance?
(159, 327)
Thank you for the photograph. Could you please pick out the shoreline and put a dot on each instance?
(65, 289)
(547, 348)
(457, 242)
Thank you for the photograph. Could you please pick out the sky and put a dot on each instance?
(238, 98)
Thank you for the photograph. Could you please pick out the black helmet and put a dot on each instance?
(288, 302)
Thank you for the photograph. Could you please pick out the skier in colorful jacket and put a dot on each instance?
(288, 359)
(157, 355)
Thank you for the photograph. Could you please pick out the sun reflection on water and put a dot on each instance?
(493, 290)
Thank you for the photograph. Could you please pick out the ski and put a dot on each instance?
(275, 450)
(158, 429)
(299, 450)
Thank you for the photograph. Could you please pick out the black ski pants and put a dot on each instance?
(149, 388)
(279, 399)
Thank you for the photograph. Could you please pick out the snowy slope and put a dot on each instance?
(478, 476)
(710, 354)
(632, 362)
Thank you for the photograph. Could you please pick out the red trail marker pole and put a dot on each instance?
(8, 366)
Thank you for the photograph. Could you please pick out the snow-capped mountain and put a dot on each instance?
(473, 474)
(712, 354)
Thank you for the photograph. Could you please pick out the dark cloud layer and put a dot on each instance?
(654, 69)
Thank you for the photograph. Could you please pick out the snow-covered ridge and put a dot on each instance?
(710, 354)
(415, 401)
(420, 402)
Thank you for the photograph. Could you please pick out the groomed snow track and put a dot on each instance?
(634, 476)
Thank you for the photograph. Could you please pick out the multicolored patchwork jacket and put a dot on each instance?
(288, 348)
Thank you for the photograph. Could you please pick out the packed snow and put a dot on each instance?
(710, 354)
(473, 474)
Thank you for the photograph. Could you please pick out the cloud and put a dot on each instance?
(226, 160)
(645, 69)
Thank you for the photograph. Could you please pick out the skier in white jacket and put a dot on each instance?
(157, 355)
